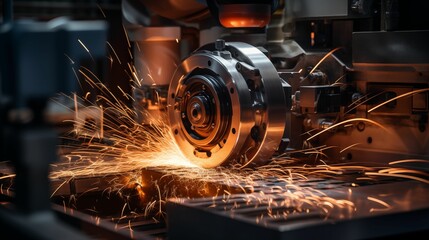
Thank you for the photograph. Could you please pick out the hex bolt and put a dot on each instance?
(220, 44)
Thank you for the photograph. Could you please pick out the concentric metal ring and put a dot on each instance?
(227, 106)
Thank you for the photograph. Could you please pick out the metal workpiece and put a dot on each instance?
(227, 105)
(256, 216)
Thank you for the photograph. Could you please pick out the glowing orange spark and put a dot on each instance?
(397, 97)
(358, 101)
(409, 161)
(320, 61)
(114, 52)
(126, 35)
(101, 122)
(7, 176)
(347, 121)
(348, 147)
(399, 176)
(75, 106)
(388, 207)
(101, 10)
(86, 49)
(71, 60)
(338, 80)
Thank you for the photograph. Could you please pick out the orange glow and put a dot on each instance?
(244, 15)
(312, 38)
(244, 21)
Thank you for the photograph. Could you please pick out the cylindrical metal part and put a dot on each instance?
(226, 104)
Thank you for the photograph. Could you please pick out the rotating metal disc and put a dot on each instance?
(226, 105)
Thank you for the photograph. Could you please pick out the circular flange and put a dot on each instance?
(227, 106)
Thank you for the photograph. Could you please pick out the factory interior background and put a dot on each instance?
(214, 119)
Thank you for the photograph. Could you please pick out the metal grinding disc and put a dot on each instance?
(226, 105)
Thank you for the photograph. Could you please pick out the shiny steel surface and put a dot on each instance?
(226, 105)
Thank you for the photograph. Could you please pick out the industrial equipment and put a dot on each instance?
(232, 102)
(262, 119)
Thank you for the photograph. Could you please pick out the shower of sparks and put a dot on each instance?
(125, 146)
(129, 146)
(113, 143)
